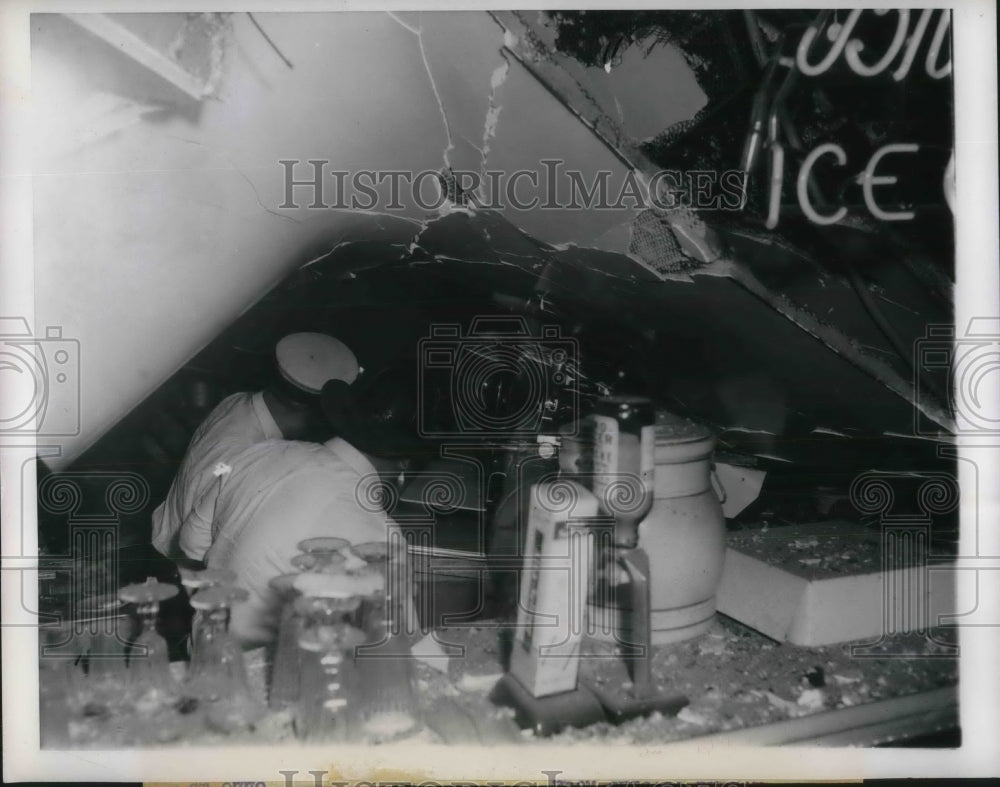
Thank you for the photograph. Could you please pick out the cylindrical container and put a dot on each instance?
(683, 535)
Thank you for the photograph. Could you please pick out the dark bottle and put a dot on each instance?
(624, 453)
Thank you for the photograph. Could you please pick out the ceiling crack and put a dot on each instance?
(497, 79)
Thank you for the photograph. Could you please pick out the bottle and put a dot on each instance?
(102, 624)
(194, 581)
(286, 665)
(150, 683)
(217, 676)
(153, 693)
(386, 707)
(322, 709)
(624, 432)
(624, 449)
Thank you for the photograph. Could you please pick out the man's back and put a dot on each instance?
(279, 493)
(238, 422)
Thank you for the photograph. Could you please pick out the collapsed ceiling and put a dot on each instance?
(798, 342)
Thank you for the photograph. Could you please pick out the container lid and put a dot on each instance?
(673, 429)
(681, 440)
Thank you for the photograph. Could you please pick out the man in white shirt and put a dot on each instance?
(289, 410)
(282, 492)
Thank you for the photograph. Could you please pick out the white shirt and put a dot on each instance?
(279, 493)
(237, 422)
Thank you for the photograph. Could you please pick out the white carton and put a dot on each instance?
(554, 586)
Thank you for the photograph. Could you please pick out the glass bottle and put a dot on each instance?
(150, 684)
(193, 581)
(386, 705)
(287, 662)
(624, 432)
(624, 462)
(217, 676)
(376, 614)
(105, 630)
(323, 708)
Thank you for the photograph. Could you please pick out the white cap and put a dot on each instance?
(309, 360)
